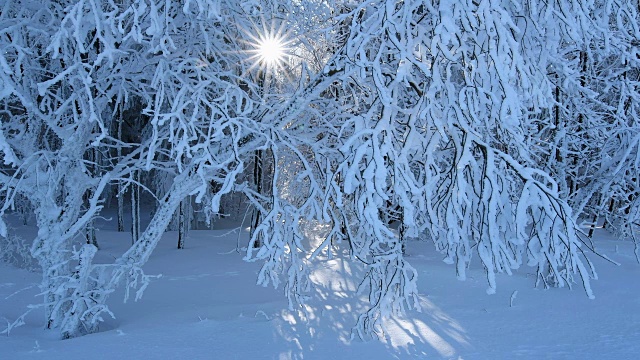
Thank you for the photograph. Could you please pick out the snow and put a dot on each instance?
(206, 306)
(445, 120)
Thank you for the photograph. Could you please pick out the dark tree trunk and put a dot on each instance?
(90, 230)
(183, 222)
(256, 217)
(135, 207)
(121, 190)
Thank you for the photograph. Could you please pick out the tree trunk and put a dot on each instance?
(120, 206)
(90, 230)
(121, 189)
(183, 222)
(135, 208)
(256, 217)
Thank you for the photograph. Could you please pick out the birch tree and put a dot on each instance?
(64, 65)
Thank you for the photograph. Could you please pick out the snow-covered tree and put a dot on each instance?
(55, 95)
(489, 127)
(449, 101)
(595, 139)
(68, 69)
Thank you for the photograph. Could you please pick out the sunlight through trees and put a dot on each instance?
(496, 130)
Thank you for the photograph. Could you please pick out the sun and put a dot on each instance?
(271, 50)
(269, 47)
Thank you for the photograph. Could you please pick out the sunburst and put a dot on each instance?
(270, 48)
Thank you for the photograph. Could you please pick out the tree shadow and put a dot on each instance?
(323, 327)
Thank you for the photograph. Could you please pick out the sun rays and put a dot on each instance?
(269, 48)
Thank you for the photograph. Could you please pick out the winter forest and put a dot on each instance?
(502, 133)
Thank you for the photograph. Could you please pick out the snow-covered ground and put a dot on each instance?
(206, 306)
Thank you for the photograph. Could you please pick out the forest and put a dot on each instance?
(501, 132)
